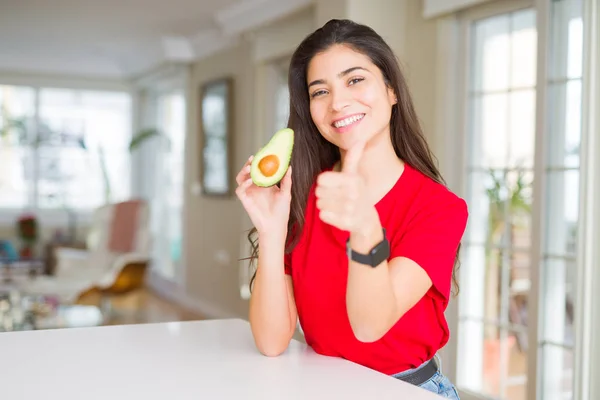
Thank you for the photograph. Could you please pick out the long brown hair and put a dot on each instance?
(312, 153)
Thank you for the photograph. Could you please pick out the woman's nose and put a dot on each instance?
(340, 99)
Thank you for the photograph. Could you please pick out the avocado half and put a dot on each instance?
(271, 162)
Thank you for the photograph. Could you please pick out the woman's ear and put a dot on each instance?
(393, 99)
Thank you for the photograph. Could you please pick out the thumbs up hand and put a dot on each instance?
(341, 196)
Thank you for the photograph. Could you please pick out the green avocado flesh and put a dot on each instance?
(271, 162)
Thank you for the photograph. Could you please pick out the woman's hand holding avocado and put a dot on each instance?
(267, 204)
(267, 207)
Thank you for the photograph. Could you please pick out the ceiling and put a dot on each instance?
(122, 38)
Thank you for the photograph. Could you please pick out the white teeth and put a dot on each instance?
(348, 121)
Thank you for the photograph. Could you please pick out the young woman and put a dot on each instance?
(360, 239)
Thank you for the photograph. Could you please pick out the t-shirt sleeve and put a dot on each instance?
(432, 238)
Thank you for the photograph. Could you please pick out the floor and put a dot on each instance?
(142, 306)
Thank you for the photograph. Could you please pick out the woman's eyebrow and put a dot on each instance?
(341, 74)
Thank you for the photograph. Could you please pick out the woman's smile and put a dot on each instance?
(347, 123)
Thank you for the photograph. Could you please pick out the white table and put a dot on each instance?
(213, 359)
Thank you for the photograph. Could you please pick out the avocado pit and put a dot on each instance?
(268, 165)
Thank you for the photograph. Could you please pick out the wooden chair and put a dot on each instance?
(118, 245)
(128, 280)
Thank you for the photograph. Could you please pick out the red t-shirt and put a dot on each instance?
(424, 222)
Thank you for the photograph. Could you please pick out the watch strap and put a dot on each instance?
(376, 256)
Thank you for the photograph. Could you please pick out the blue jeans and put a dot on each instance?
(438, 383)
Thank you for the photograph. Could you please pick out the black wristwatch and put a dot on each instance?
(376, 256)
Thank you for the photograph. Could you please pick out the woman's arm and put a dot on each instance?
(272, 312)
(421, 258)
(376, 298)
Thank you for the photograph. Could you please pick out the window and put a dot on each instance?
(500, 304)
(69, 148)
(168, 199)
(496, 273)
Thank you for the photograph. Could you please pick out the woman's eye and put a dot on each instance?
(355, 80)
(317, 93)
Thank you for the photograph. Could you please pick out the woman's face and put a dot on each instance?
(349, 100)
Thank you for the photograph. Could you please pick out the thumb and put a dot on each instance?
(353, 156)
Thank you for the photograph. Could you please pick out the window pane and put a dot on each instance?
(558, 299)
(523, 49)
(17, 101)
(216, 171)
(565, 124)
(519, 187)
(478, 229)
(575, 52)
(99, 118)
(573, 122)
(518, 314)
(562, 212)
(475, 260)
(215, 111)
(70, 177)
(496, 198)
(505, 364)
(522, 128)
(490, 126)
(471, 355)
(84, 138)
(557, 363)
(520, 284)
(566, 40)
(16, 116)
(15, 184)
(503, 296)
(516, 379)
(491, 53)
(493, 362)
(496, 350)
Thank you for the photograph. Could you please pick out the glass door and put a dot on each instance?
(493, 308)
(519, 263)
